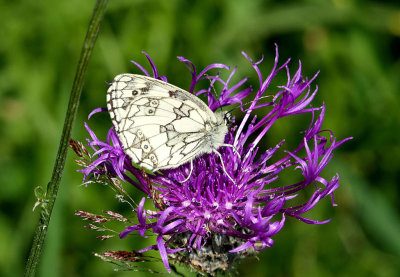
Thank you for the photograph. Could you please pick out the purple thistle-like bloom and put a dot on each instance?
(209, 212)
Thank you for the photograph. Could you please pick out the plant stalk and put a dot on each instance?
(47, 203)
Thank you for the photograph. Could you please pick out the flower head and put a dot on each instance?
(210, 214)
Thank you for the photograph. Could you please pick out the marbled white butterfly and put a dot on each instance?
(162, 126)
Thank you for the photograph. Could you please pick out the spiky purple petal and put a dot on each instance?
(252, 209)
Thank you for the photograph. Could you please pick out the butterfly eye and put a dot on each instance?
(228, 118)
(145, 146)
(154, 103)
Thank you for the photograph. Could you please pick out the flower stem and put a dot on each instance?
(47, 203)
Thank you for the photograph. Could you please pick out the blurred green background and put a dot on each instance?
(355, 44)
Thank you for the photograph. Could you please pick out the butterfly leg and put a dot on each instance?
(234, 149)
(190, 173)
(223, 166)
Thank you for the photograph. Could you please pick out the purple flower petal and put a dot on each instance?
(253, 208)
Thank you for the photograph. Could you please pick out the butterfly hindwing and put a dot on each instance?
(159, 125)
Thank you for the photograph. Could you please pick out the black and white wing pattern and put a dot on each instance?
(160, 125)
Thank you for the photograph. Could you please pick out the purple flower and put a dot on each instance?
(209, 214)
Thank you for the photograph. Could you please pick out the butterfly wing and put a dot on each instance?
(159, 125)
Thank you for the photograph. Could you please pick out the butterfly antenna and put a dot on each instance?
(213, 88)
(266, 96)
(223, 166)
(190, 173)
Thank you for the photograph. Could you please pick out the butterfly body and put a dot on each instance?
(160, 125)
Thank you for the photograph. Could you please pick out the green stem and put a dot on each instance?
(53, 185)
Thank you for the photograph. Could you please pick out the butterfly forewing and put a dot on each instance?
(159, 125)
